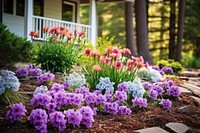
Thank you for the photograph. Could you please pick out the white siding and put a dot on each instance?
(14, 23)
(53, 9)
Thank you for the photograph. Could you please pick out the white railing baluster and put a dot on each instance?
(40, 22)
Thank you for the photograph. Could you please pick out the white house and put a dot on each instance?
(23, 16)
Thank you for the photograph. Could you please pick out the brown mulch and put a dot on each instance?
(148, 117)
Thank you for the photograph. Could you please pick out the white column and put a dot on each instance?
(28, 18)
(93, 22)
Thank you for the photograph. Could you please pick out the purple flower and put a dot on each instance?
(167, 70)
(74, 99)
(111, 108)
(109, 96)
(57, 120)
(147, 85)
(173, 91)
(73, 117)
(22, 72)
(140, 102)
(158, 88)
(66, 85)
(168, 84)
(16, 113)
(124, 110)
(35, 71)
(57, 87)
(153, 94)
(100, 99)
(44, 78)
(90, 99)
(122, 86)
(51, 107)
(87, 114)
(83, 90)
(120, 96)
(60, 99)
(38, 118)
(166, 103)
(41, 99)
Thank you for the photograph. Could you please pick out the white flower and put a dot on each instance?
(40, 89)
(154, 74)
(76, 80)
(136, 88)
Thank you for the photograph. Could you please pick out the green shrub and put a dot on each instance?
(13, 48)
(61, 51)
(188, 60)
(56, 57)
(176, 66)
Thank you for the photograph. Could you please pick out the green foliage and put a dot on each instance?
(10, 97)
(61, 51)
(56, 57)
(176, 66)
(190, 61)
(13, 48)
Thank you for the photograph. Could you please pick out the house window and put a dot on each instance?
(38, 7)
(69, 11)
(20, 7)
(8, 6)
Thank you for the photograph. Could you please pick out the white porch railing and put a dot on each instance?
(40, 22)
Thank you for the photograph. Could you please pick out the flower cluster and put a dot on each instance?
(38, 118)
(57, 120)
(164, 70)
(139, 102)
(61, 33)
(31, 70)
(76, 80)
(45, 78)
(113, 63)
(105, 84)
(73, 117)
(16, 113)
(149, 74)
(161, 92)
(8, 81)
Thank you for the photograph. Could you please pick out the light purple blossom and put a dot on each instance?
(83, 90)
(57, 87)
(173, 91)
(166, 103)
(22, 72)
(41, 99)
(38, 118)
(66, 85)
(100, 99)
(139, 102)
(44, 78)
(87, 114)
(90, 99)
(16, 113)
(111, 108)
(73, 117)
(35, 71)
(124, 110)
(122, 86)
(57, 120)
(153, 94)
(120, 96)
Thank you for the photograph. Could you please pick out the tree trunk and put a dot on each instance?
(172, 29)
(129, 27)
(1, 11)
(141, 30)
(180, 29)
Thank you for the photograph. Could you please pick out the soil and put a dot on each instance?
(148, 117)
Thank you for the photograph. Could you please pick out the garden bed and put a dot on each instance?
(148, 117)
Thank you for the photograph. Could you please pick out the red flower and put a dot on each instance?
(96, 68)
(45, 29)
(69, 36)
(102, 59)
(96, 53)
(82, 33)
(118, 65)
(126, 51)
(129, 64)
(34, 34)
(108, 60)
(87, 52)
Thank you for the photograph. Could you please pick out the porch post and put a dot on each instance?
(28, 15)
(93, 22)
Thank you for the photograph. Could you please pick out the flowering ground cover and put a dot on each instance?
(145, 117)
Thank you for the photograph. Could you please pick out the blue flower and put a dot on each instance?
(105, 84)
